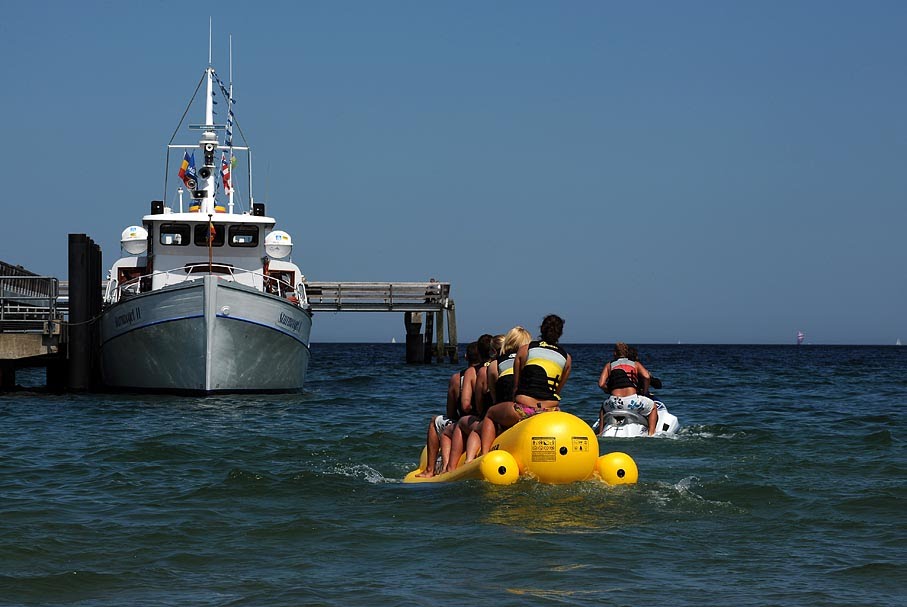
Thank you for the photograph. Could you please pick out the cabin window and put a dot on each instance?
(203, 267)
(243, 236)
(175, 234)
(202, 233)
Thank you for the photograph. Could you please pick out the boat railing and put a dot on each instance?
(252, 278)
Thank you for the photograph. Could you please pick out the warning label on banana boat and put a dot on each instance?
(580, 443)
(544, 448)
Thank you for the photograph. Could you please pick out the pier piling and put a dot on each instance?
(84, 308)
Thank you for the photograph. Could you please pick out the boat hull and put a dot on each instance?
(206, 336)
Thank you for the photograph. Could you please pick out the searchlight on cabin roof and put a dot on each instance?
(134, 240)
(278, 244)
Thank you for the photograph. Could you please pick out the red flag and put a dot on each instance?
(225, 173)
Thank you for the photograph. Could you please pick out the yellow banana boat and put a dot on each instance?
(554, 448)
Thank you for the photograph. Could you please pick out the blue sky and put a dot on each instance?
(703, 172)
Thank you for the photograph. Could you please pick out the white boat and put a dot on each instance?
(629, 424)
(206, 299)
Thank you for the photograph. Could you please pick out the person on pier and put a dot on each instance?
(540, 371)
(440, 427)
(626, 381)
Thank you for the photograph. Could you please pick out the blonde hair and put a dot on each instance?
(516, 337)
(496, 344)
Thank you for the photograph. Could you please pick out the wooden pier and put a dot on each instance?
(31, 323)
(46, 322)
(415, 300)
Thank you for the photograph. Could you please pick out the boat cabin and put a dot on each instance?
(172, 248)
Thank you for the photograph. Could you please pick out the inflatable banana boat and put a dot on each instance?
(554, 448)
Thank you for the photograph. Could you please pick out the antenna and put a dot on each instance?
(230, 129)
(210, 21)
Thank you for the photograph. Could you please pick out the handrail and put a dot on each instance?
(379, 295)
(270, 284)
(28, 303)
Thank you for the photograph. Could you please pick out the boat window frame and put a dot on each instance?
(183, 230)
(201, 234)
(239, 229)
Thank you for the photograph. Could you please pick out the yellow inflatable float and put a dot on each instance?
(554, 448)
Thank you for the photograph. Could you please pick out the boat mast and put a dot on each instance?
(229, 141)
(208, 144)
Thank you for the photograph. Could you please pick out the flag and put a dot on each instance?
(187, 171)
(225, 173)
(230, 102)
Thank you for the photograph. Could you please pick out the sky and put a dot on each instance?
(653, 172)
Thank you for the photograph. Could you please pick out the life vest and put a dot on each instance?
(503, 386)
(622, 375)
(541, 375)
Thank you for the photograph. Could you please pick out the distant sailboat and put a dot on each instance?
(800, 337)
(898, 342)
(393, 340)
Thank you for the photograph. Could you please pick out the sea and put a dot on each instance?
(785, 486)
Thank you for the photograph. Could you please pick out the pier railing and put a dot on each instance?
(379, 296)
(28, 304)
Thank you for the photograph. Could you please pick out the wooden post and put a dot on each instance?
(84, 306)
(439, 336)
(414, 348)
(452, 333)
(7, 377)
(429, 335)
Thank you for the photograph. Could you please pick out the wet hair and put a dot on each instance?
(632, 353)
(621, 350)
(516, 337)
(497, 345)
(484, 345)
(552, 328)
(472, 354)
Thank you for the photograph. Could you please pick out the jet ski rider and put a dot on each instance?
(626, 381)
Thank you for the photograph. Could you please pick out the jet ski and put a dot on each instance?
(630, 424)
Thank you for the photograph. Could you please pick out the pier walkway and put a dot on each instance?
(415, 299)
(35, 320)
(31, 322)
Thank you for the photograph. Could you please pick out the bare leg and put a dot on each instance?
(503, 415)
(601, 420)
(653, 420)
(446, 437)
(474, 442)
(432, 443)
(458, 441)
(456, 449)
(488, 433)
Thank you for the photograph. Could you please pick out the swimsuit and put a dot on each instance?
(524, 411)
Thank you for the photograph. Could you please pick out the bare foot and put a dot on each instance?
(426, 474)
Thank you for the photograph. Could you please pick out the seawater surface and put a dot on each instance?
(785, 486)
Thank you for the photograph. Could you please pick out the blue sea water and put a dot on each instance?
(785, 486)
